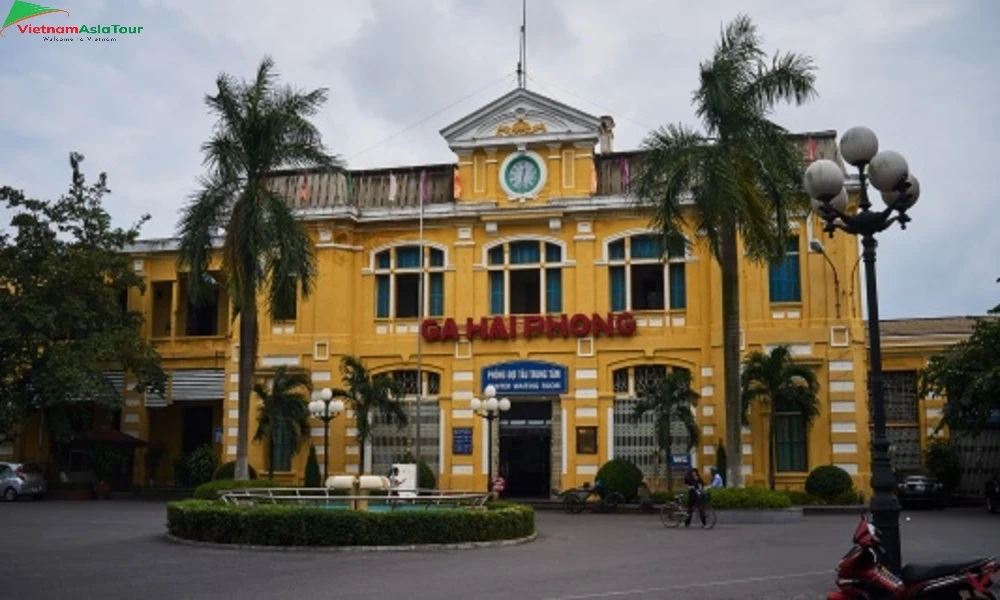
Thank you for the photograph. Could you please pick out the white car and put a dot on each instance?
(21, 479)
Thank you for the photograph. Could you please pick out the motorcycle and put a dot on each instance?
(862, 574)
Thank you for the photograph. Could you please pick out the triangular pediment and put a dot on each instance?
(519, 118)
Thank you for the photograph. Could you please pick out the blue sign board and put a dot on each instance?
(461, 440)
(526, 377)
(680, 460)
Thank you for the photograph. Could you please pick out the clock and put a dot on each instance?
(522, 174)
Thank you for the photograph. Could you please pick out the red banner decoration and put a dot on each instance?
(531, 326)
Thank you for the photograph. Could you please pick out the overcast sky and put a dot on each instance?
(921, 73)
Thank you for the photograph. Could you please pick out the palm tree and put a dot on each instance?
(261, 127)
(368, 395)
(776, 383)
(743, 174)
(284, 407)
(670, 399)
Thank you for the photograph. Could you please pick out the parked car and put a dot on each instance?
(21, 479)
(993, 494)
(920, 489)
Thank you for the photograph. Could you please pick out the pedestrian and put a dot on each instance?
(716, 479)
(695, 484)
(395, 481)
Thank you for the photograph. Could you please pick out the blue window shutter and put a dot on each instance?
(437, 295)
(791, 450)
(784, 277)
(382, 260)
(437, 258)
(553, 253)
(616, 250)
(408, 257)
(496, 255)
(617, 288)
(282, 446)
(678, 286)
(524, 253)
(496, 292)
(382, 296)
(553, 290)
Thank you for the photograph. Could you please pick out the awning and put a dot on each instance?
(106, 435)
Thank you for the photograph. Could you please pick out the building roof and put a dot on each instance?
(930, 326)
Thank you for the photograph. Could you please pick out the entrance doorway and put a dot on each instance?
(197, 430)
(526, 447)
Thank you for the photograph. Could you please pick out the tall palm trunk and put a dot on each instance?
(731, 345)
(248, 354)
(666, 448)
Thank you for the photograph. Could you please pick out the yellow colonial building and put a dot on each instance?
(539, 276)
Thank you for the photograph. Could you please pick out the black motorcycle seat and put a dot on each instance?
(914, 572)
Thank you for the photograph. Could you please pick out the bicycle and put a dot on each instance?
(673, 513)
(575, 500)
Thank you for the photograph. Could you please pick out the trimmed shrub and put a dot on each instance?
(195, 468)
(943, 462)
(800, 498)
(848, 498)
(277, 525)
(748, 498)
(425, 477)
(622, 476)
(228, 471)
(313, 478)
(210, 490)
(722, 462)
(828, 482)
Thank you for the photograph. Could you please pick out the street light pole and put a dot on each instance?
(817, 247)
(326, 409)
(491, 408)
(824, 182)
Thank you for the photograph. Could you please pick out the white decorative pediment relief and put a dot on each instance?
(519, 118)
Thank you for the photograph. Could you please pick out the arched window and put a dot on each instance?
(525, 277)
(397, 282)
(639, 279)
(635, 440)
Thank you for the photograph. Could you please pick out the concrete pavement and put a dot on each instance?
(117, 549)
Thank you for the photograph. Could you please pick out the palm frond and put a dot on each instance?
(200, 218)
(790, 78)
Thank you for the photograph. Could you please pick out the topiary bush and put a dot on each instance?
(828, 482)
(800, 498)
(228, 471)
(848, 498)
(280, 525)
(748, 498)
(210, 490)
(622, 476)
(313, 478)
(199, 466)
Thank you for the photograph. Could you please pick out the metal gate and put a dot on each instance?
(980, 459)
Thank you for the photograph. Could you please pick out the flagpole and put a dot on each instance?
(420, 313)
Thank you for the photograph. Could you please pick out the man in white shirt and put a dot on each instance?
(716, 479)
(395, 481)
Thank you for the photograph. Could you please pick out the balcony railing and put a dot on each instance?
(377, 188)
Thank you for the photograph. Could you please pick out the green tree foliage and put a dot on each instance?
(313, 478)
(775, 383)
(944, 462)
(622, 476)
(261, 127)
(743, 173)
(283, 404)
(968, 374)
(368, 395)
(671, 400)
(63, 278)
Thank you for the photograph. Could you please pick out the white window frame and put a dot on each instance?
(628, 261)
(543, 265)
(393, 270)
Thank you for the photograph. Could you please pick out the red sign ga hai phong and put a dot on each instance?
(528, 327)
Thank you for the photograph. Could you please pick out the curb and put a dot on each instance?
(326, 549)
(818, 510)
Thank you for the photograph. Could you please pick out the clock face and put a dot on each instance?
(523, 175)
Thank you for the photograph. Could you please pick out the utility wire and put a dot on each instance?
(591, 102)
(430, 116)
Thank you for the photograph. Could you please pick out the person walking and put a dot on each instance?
(395, 482)
(692, 479)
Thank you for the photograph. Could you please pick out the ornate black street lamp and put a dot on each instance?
(326, 409)
(490, 410)
(824, 182)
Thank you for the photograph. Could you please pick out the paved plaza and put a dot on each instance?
(117, 549)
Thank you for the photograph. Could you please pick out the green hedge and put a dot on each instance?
(210, 490)
(800, 498)
(276, 525)
(731, 498)
(228, 471)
